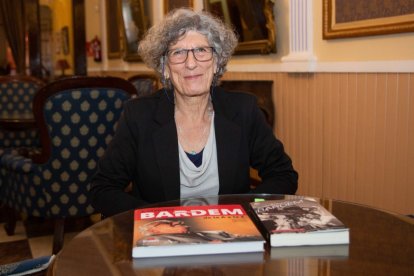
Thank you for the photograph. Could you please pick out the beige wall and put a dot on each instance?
(350, 134)
(93, 25)
(395, 47)
(383, 47)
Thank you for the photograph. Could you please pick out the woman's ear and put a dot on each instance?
(216, 67)
(166, 73)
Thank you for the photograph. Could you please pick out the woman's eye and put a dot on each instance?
(200, 50)
(178, 52)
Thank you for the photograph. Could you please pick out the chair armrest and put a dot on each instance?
(17, 163)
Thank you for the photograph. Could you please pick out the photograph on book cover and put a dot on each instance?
(175, 231)
(298, 222)
(355, 18)
(300, 215)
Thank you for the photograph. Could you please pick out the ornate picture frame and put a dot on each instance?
(344, 18)
(169, 5)
(113, 32)
(253, 21)
(136, 20)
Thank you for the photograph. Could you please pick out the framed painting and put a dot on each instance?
(113, 29)
(65, 40)
(136, 20)
(253, 21)
(354, 18)
(169, 5)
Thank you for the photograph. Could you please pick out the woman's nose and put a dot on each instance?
(191, 61)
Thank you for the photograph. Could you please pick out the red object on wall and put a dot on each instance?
(96, 49)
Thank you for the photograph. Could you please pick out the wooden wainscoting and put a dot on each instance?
(350, 135)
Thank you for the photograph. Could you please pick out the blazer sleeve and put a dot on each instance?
(116, 170)
(268, 156)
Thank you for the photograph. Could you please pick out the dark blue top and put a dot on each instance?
(197, 158)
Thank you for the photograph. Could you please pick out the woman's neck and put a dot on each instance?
(193, 120)
(193, 110)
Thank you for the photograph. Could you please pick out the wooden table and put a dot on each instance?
(381, 243)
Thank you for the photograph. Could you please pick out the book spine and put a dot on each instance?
(258, 223)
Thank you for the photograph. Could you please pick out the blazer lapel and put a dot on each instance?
(228, 135)
(166, 150)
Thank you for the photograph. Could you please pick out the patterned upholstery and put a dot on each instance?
(3, 172)
(77, 117)
(144, 84)
(16, 97)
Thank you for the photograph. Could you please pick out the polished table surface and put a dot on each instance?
(381, 243)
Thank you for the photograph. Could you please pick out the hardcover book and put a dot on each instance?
(194, 230)
(318, 251)
(201, 260)
(298, 222)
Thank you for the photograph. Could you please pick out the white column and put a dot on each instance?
(300, 32)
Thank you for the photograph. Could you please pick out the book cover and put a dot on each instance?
(298, 222)
(194, 230)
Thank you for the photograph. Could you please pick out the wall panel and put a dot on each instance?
(350, 135)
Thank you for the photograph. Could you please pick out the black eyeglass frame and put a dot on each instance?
(166, 55)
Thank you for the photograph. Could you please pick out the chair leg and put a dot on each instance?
(58, 236)
(10, 225)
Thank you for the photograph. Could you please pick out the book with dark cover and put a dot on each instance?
(299, 221)
(194, 230)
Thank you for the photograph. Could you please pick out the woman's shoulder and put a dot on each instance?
(157, 107)
(237, 97)
(144, 105)
(145, 100)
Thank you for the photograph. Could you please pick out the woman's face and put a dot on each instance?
(192, 77)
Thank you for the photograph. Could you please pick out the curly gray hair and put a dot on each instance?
(159, 37)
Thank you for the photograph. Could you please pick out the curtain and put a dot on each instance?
(12, 12)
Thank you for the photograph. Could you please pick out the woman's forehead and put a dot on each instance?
(190, 39)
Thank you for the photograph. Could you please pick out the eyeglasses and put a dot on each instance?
(177, 56)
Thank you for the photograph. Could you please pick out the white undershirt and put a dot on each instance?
(203, 180)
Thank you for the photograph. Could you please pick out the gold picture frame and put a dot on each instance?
(113, 30)
(253, 21)
(169, 5)
(136, 20)
(343, 18)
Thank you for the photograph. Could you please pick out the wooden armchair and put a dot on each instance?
(16, 99)
(144, 83)
(77, 118)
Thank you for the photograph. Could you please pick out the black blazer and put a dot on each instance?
(144, 151)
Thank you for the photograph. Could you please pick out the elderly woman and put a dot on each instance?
(191, 138)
